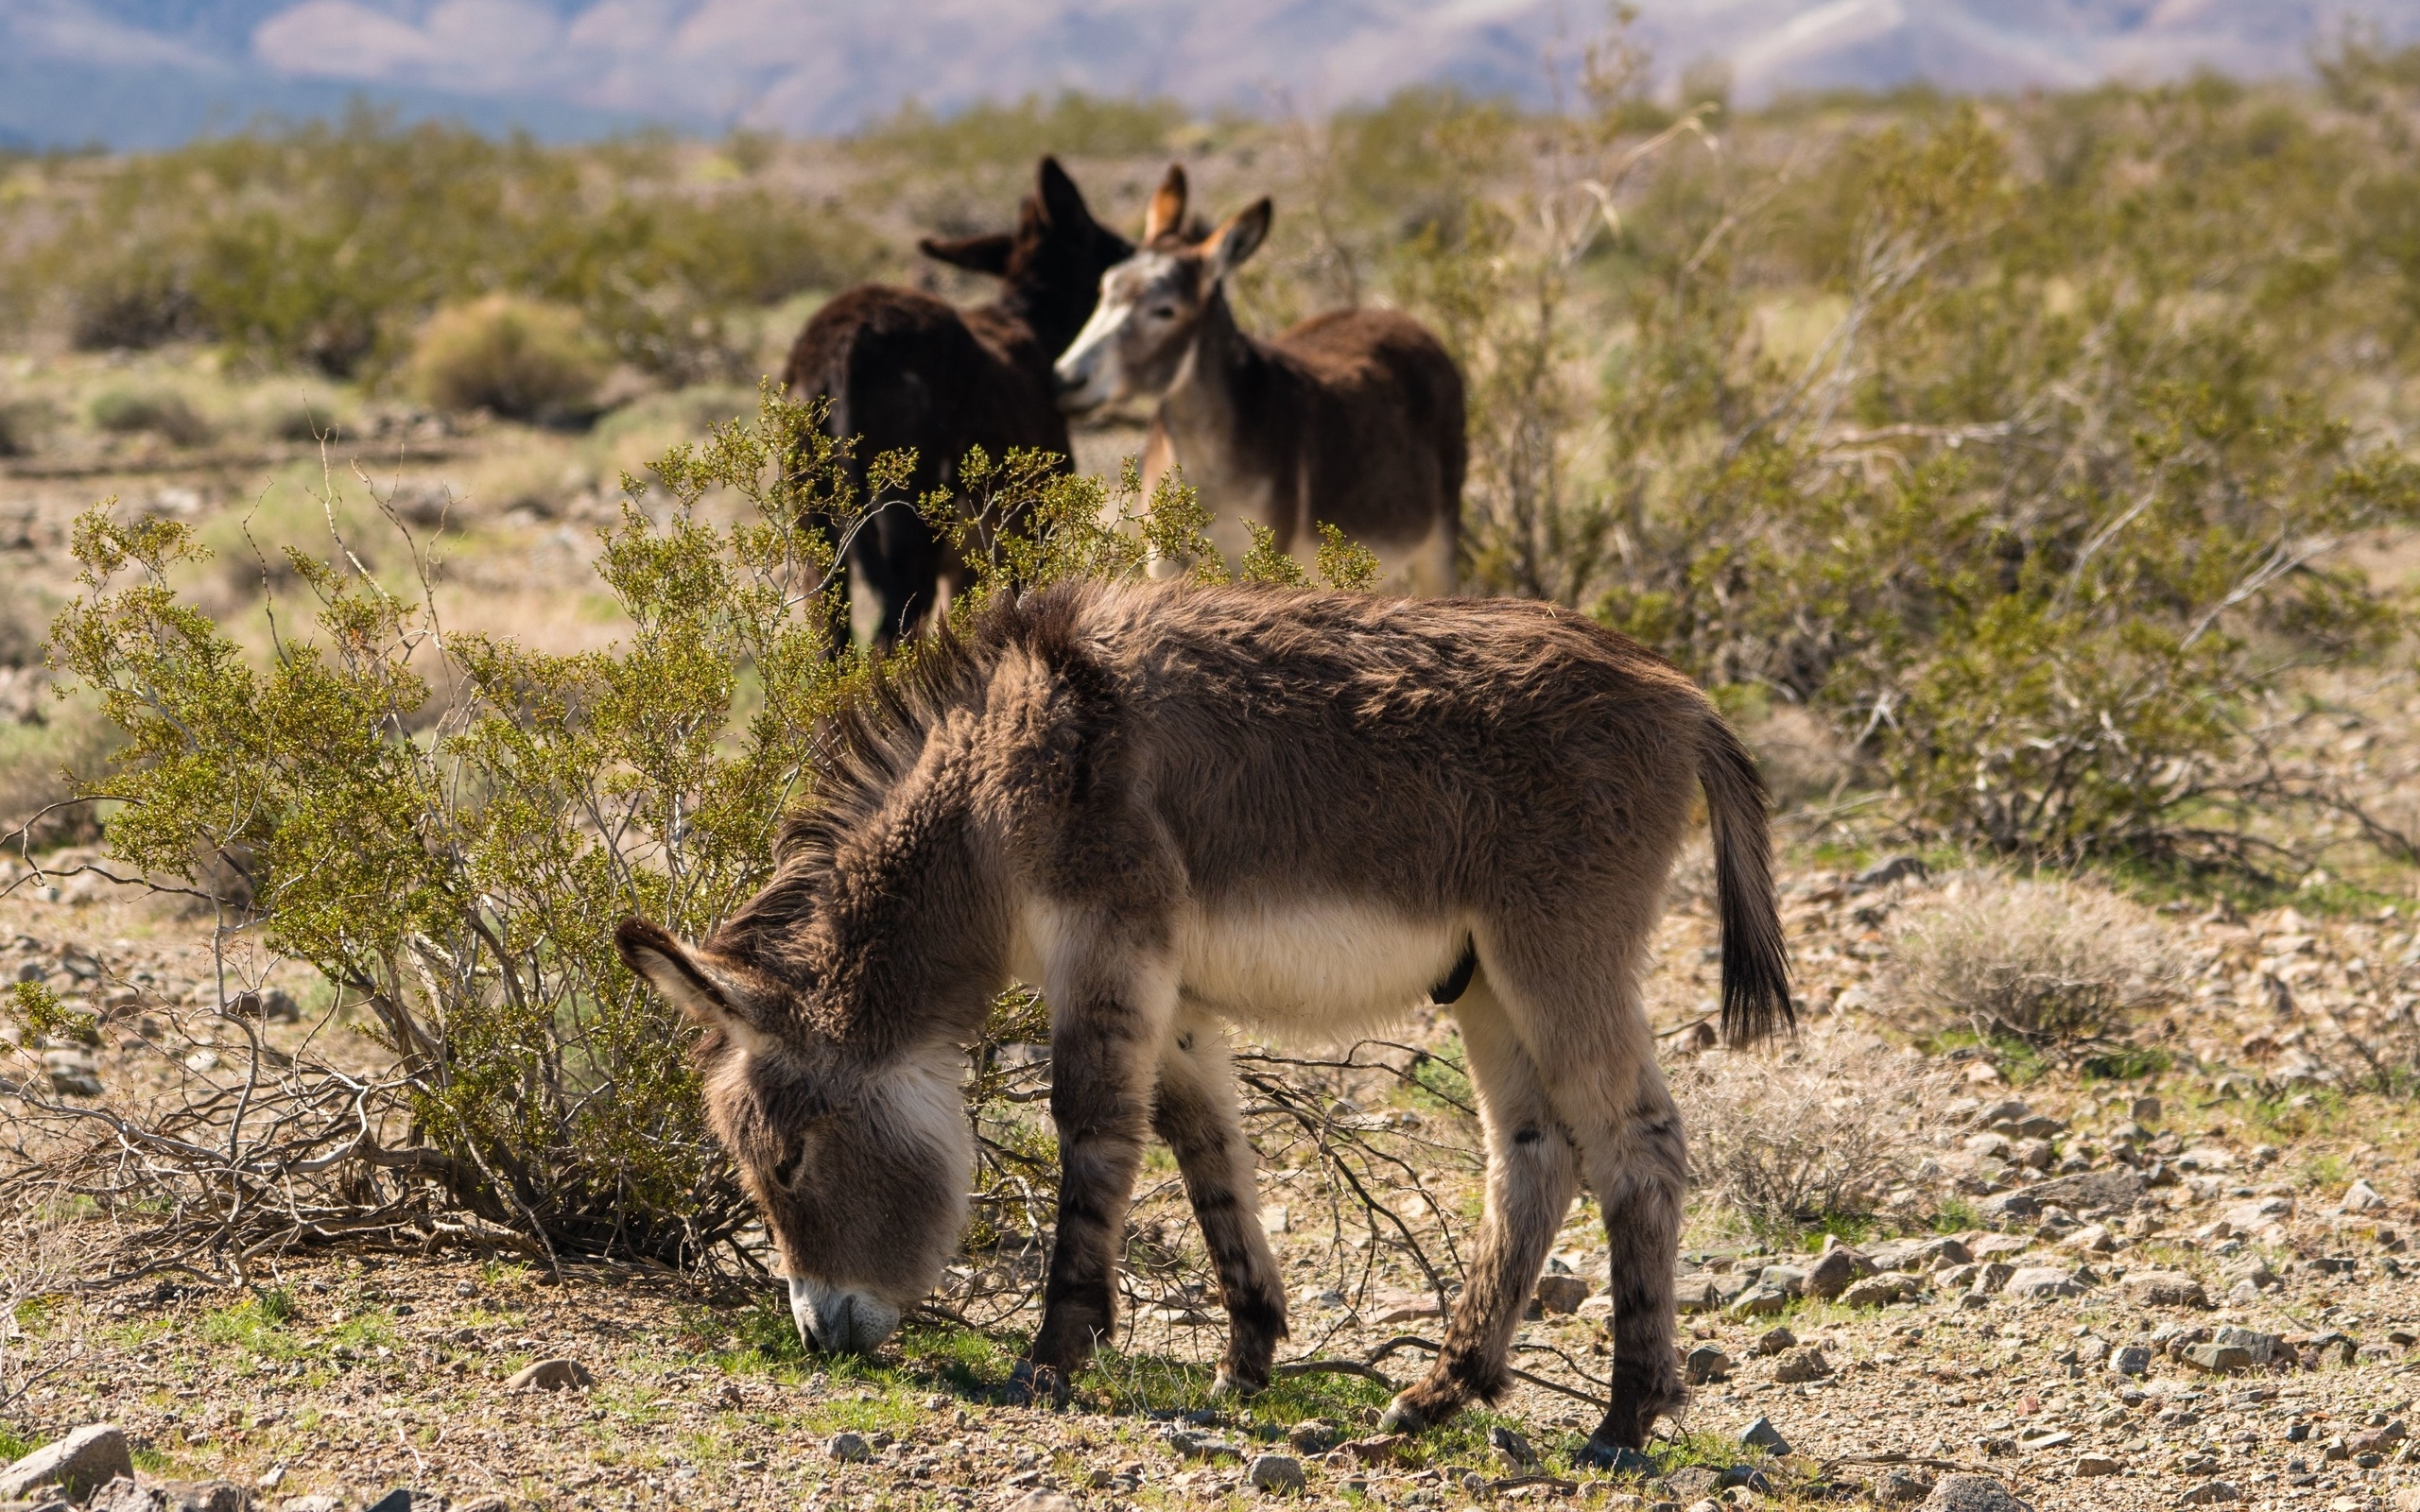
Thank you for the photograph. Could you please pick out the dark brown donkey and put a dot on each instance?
(1351, 419)
(903, 370)
(1177, 808)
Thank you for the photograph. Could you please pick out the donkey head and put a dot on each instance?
(1150, 309)
(1053, 261)
(860, 1162)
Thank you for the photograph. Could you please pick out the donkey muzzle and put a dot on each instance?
(835, 1321)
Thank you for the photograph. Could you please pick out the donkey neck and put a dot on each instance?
(1220, 393)
(1053, 312)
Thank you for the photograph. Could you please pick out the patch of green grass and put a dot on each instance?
(2128, 1063)
(1954, 1216)
(256, 1324)
(1849, 1228)
(13, 1445)
(34, 1313)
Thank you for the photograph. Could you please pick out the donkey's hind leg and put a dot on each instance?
(1196, 1113)
(1638, 1167)
(1532, 1171)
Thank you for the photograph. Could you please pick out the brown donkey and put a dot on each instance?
(904, 370)
(1353, 418)
(1177, 808)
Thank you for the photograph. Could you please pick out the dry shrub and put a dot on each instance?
(521, 358)
(1824, 1129)
(162, 412)
(2041, 960)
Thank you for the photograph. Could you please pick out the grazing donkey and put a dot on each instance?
(903, 370)
(1175, 808)
(1353, 418)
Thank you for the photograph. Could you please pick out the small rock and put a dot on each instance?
(1761, 1301)
(2220, 1358)
(1559, 1296)
(1512, 1446)
(1880, 1291)
(849, 1449)
(1747, 1477)
(1315, 1436)
(398, 1500)
(551, 1375)
(2262, 1346)
(2131, 1360)
(2248, 1217)
(1991, 1278)
(2005, 1208)
(318, 1502)
(1835, 1270)
(1042, 1501)
(1763, 1435)
(1894, 1487)
(1800, 1365)
(2039, 1281)
(2089, 1190)
(1973, 1493)
(1776, 1340)
(2165, 1288)
(2090, 1466)
(81, 1463)
(1278, 1475)
(2209, 1492)
(1706, 1363)
(466, 1290)
(2363, 1197)
(125, 1495)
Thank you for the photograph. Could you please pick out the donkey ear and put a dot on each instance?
(1062, 203)
(988, 254)
(687, 982)
(1168, 205)
(1238, 238)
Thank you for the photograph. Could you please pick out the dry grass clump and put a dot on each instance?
(520, 358)
(1825, 1129)
(161, 412)
(2042, 960)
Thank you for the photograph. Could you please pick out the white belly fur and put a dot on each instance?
(1318, 971)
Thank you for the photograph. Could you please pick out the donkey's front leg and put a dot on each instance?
(1106, 1031)
(1196, 1113)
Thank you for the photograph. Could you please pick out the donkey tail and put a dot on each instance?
(1755, 959)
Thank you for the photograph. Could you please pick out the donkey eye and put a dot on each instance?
(787, 1173)
(1162, 312)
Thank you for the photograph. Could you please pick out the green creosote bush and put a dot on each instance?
(459, 878)
(523, 359)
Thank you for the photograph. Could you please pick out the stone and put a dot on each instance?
(2090, 1191)
(2209, 1492)
(1834, 1270)
(2165, 1288)
(398, 1500)
(1894, 1487)
(2089, 1467)
(1763, 1435)
(2249, 1217)
(1278, 1475)
(1560, 1296)
(551, 1375)
(1385, 1449)
(1317, 1435)
(1042, 1501)
(81, 1463)
(849, 1449)
(1800, 1365)
(2007, 1207)
(2220, 1358)
(2035, 1282)
(1697, 1292)
(1775, 1341)
(1880, 1290)
(1995, 1246)
(1991, 1278)
(125, 1495)
(1747, 1477)
(2363, 1197)
(1706, 1363)
(2131, 1360)
(2262, 1346)
(1790, 1278)
(1512, 1446)
(318, 1502)
(1761, 1301)
(1973, 1493)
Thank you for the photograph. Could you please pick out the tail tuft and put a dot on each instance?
(1755, 956)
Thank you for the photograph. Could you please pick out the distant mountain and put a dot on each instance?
(143, 71)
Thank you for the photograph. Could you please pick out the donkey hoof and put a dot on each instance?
(1030, 1384)
(1231, 1385)
(1602, 1454)
(1402, 1418)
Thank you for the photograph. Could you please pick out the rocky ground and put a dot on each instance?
(2171, 1279)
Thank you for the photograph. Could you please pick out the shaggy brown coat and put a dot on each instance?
(904, 370)
(1353, 418)
(1175, 809)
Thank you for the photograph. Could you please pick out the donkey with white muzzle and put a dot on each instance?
(1175, 809)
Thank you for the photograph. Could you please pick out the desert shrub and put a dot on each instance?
(24, 424)
(155, 411)
(454, 876)
(520, 358)
(133, 303)
(1827, 1129)
(2039, 959)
